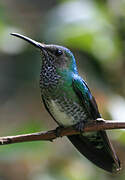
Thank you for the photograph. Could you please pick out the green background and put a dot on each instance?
(95, 32)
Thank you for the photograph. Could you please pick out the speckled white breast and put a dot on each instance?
(60, 116)
(67, 113)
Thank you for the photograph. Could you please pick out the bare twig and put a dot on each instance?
(51, 135)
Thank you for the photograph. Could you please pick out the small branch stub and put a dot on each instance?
(96, 125)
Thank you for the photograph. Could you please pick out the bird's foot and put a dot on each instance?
(80, 126)
(58, 131)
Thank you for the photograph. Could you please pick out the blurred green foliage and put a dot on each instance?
(95, 31)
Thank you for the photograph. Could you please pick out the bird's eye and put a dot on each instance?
(58, 52)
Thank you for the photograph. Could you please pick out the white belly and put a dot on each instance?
(61, 117)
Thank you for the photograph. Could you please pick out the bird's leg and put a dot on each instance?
(58, 130)
(80, 126)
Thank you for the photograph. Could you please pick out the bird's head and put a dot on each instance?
(60, 56)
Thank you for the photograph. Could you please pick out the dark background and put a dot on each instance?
(95, 32)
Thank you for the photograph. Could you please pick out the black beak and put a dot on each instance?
(31, 41)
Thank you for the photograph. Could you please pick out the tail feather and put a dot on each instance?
(96, 147)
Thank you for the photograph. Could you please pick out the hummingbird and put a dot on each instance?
(69, 101)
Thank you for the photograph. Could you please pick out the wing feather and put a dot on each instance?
(94, 145)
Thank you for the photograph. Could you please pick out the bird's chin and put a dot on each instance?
(44, 54)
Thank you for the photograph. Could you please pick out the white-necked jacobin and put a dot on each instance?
(69, 101)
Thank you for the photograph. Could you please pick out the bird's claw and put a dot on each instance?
(58, 131)
(80, 126)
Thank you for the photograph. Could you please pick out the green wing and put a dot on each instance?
(86, 97)
(94, 145)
